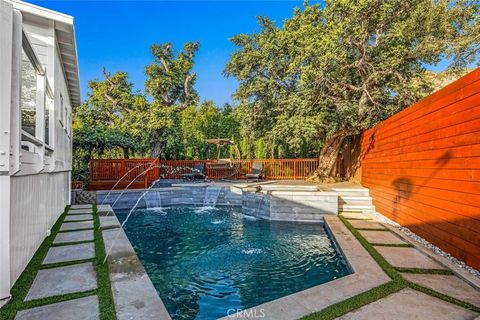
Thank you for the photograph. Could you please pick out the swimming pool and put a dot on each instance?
(209, 262)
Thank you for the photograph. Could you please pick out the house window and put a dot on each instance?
(28, 100)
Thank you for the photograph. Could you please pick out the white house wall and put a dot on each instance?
(36, 203)
(62, 144)
(31, 197)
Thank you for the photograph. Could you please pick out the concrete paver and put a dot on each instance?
(63, 280)
(78, 309)
(79, 217)
(74, 236)
(76, 225)
(452, 286)
(366, 224)
(381, 237)
(79, 211)
(81, 206)
(407, 258)
(72, 252)
(412, 305)
(356, 215)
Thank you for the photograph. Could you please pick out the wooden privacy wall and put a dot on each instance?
(422, 167)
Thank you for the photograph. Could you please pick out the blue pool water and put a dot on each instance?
(205, 263)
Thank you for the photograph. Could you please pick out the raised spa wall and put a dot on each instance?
(289, 203)
(271, 202)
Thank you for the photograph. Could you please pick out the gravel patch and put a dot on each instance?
(407, 232)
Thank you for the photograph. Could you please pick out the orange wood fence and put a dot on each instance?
(422, 167)
(104, 174)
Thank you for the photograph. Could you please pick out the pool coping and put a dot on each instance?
(134, 295)
(366, 274)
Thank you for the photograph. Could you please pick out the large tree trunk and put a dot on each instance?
(328, 157)
(126, 153)
(157, 149)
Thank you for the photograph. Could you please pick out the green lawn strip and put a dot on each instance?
(84, 229)
(65, 264)
(105, 296)
(397, 245)
(62, 244)
(425, 271)
(56, 299)
(83, 220)
(398, 283)
(338, 309)
(386, 267)
(22, 285)
(442, 296)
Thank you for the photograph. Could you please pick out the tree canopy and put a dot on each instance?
(334, 68)
(345, 66)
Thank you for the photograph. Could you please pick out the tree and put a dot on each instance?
(170, 81)
(106, 121)
(332, 71)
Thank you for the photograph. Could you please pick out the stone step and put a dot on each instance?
(360, 208)
(352, 192)
(355, 200)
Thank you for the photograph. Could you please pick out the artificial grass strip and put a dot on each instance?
(105, 295)
(338, 309)
(425, 271)
(62, 244)
(84, 229)
(65, 264)
(24, 282)
(83, 220)
(386, 267)
(443, 297)
(56, 299)
(398, 283)
(397, 245)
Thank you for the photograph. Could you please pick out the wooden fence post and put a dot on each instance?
(294, 169)
(123, 168)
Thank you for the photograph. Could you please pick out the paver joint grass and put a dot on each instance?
(104, 292)
(398, 283)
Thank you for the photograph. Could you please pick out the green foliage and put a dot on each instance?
(170, 81)
(344, 66)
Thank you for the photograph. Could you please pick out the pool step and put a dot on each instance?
(354, 199)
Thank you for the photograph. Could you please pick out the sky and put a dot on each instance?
(117, 35)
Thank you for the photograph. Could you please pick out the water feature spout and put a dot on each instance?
(153, 200)
(211, 196)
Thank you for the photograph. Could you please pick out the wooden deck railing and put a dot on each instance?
(104, 173)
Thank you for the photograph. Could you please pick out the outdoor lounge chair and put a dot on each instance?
(197, 172)
(257, 171)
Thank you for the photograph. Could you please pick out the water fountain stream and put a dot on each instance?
(211, 196)
(126, 173)
(128, 216)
